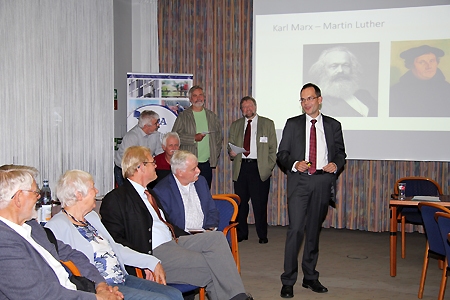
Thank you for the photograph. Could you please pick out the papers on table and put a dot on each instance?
(426, 198)
(236, 149)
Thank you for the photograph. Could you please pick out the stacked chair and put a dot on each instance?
(415, 186)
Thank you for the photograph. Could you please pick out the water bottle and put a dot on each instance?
(46, 203)
(46, 193)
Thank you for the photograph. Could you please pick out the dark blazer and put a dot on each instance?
(170, 197)
(128, 220)
(26, 275)
(292, 146)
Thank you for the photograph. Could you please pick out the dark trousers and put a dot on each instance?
(118, 175)
(307, 209)
(206, 171)
(250, 186)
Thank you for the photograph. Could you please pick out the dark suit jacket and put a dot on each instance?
(170, 197)
(292, 146)
(128, 220)
(26, 275)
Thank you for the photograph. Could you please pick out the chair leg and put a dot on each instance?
(235, 249)
(424, 272)
(403, 237)
(443, 282)
(441, 264)
(202, 294)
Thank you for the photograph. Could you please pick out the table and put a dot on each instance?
(393, 205)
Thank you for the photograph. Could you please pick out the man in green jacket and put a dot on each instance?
(200, 132)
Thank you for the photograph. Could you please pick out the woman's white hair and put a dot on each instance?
(70, 184)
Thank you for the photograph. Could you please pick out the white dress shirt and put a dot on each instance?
(160, 232)
(321, 144)
(253, 137)
(193, 213)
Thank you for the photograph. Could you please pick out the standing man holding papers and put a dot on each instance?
(253, 168)
(200, 132)
(312, 151)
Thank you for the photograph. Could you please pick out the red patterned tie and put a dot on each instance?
(155, 207)
(247, 134)
(312, 147)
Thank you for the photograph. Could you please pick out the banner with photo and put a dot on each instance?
(166, 94)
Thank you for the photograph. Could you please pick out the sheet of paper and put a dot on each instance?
(426, 198)
(236, 149)
(206, 132)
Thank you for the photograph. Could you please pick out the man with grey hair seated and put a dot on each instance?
(170, 143)
(145, 133)
(185, 195)
(134, 217)
(29, 261)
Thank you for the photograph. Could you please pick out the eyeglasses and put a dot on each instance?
(157, 123)
(37, 192)
(307, 99)
(149, 162)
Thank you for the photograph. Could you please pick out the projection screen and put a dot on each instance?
(383, 67)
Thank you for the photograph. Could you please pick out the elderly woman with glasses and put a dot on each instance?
(79, 226)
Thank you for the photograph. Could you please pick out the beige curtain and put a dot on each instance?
(56, 92)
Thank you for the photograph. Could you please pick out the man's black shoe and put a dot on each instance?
(287, 291)
(263, 241)
(314, 285)
(240, 239)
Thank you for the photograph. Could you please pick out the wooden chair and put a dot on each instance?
(434, 247)
(415, 186)
(227, 204)
(71, 266)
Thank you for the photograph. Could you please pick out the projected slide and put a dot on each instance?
(347, 75)
(422, 82)
(384, 74)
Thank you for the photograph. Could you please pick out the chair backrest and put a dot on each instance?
(443, 220)
(235, 197)
(419, 186)
(228, 211)
(428, 210)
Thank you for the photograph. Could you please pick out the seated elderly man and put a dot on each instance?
(79, 226)
(170, 143)
(29, 262)
(135, 218)
(185, 195)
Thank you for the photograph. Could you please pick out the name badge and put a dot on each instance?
(263, 139)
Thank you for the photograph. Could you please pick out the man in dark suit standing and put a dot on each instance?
(312, 151)
(252, 169)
